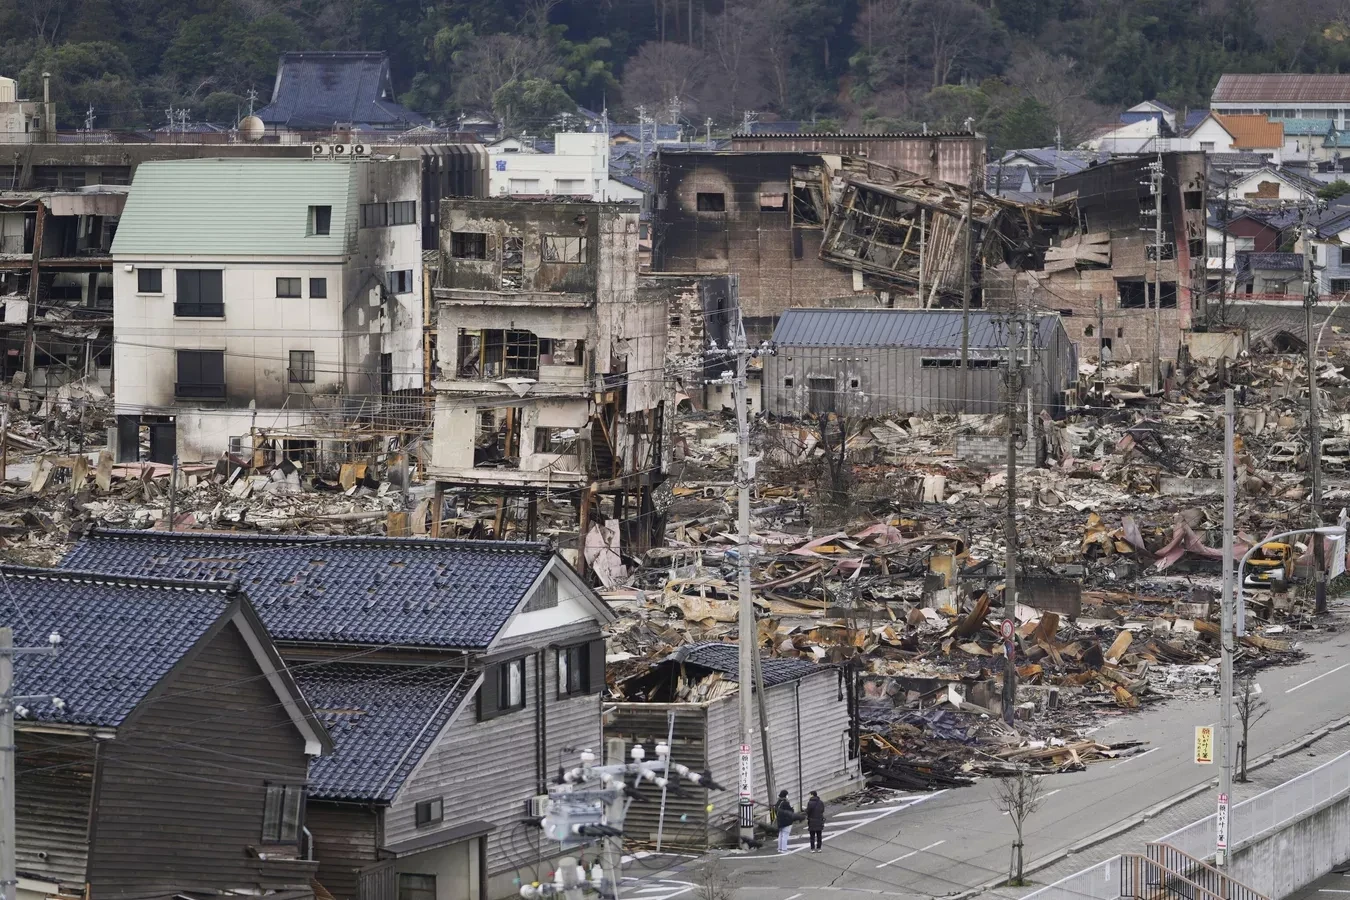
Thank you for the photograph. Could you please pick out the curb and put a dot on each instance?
(1154, 811)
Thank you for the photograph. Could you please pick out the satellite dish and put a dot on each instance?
(252, 128)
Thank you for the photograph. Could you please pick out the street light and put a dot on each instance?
(1226, 634)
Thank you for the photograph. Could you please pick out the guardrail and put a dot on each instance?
(1100, 882)
(1194, 871)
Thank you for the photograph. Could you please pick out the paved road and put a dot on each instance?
(1335, 886)
(948, 842)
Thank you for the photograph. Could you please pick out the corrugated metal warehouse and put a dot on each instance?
(879, 362)
(808, 732)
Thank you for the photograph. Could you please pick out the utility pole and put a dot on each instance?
(173, 491)
(1101, 351)
(1028, 342)
(966, 285)
(1226, 638)
(748, 633)
(1009, 625)
(1314, 426)
(1157, 187)
(1223, 260)
(10, 705)
(923, 239)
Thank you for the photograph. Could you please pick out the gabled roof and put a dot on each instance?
(1193, 119)
(1332, 222)
(382, 719)
(357, 590)
(1252, 132)
(1249, 262)
(917, 328)
(725, 658)
(318, 90)
(250, 207)
(120, 637)
(631, 181)
(1066, 162)
(1237, 160)
(1315, 127)
(1285, 174)
(1282, 88)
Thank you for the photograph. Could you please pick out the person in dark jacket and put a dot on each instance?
(783, 816)
(815, 820)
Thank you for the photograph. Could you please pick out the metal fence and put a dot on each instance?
(1247, 820)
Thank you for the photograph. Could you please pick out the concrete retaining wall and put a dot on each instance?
(1296, 854)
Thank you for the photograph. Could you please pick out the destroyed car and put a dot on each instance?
(1287, 456)
(1271, 567)
(1335, 453)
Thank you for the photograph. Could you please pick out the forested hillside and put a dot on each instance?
(1019, 68)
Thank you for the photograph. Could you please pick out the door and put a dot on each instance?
(163, 441)
(128, 439)
(820, 395)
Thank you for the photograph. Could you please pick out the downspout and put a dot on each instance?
(798, 699)
(541, 726)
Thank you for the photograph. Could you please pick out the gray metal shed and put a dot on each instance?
(808, 730)
(877, 362)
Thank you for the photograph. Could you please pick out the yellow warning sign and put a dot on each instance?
(1204, 744)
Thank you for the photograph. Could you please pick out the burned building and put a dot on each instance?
(550, 364)
(949, 156)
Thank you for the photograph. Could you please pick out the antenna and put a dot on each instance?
(89, 119)
(252, 98)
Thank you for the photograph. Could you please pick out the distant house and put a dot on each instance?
(450, 674)
(809, 715)
(336, 91)
(1330, 246)
(1273, 276)
(1267, 186)
(1254, 134)
(877, 362)
(1284, 96)
(1251, 230)
(176, 764)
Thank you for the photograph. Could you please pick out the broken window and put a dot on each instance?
(1169, 250)
(707, 201)
(554, 440)
(1133, 293)
(675, 320)
(772, 202)
(1193, 199)
(468, 245)
(521, 353)
(497, 438)
(807, 201)
(1087, 331)
(513, 263)
(559, 249)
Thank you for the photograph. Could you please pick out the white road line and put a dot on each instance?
(831, 834)
(872, 811)
(1318, 678)
(794, 897)
(910, 853)
(1046, 796)
(1133, 758)
(1319, 890)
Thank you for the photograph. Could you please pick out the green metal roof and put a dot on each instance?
(254, 207)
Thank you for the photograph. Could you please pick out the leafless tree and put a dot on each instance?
(660, 71)
(734, 44)
(1056, 83)
(494, 60)
(1019, 796)
(1251, 708)
(832, 430)
(715, 882)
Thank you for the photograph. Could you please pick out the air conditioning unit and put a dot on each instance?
(320, 150)
(339, 149)
(360, 149)
(536, 807)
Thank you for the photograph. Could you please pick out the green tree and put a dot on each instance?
(1338, 188)
(532, 103)
(96, 74)
(1027, 124)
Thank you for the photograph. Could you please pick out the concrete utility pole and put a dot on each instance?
(1157, 187)
(966, 285)
(1009, 625)
(10, 704)
(1314, 425)
(1226, 638)
(173, 491)
(1223, 245)
(746, 619)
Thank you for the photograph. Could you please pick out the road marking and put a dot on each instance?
(911, 853)
(1045, 797)
(872, 810)
(831, 834)
(1318, 678)
(794, 897)
(1319, 890)
(1133, 758)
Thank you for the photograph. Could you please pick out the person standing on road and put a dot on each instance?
(783, 817)
(815, 821)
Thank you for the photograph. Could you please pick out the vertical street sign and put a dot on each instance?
(1204, 744)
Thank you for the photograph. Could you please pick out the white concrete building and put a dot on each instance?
(578, 167)
(20, 120)
(1284, 96)
(263, 294)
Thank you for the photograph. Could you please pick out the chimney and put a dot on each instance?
(48, 114)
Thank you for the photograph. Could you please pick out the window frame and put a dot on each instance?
(402, 212)
(320, 220)
(198, 308)
(560, 246)
(704, 201)
(468, 245)
(322, 293)
(279, 799)
(429, 812)
(200, 392)
(504, 701)
(307, 367)
(394, 278)
(375, 215)
(298, 289)
(572, 667)
(140, 284)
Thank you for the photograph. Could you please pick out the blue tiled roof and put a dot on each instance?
(317, 90)
(1318, 127)
(357, 590)
(725, 658)
(381, 719)
(633, 182)
(119, 637)
(1193, 119)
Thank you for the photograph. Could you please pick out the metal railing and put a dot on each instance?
(1142, 878)
(1100, 882)
(1194, 871)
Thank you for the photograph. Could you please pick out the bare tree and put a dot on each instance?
(1251, 708)
(715, 882)
(734, 46)
(661, 71)
(495, 60)
(1019, 796)
(832, 431)
(1057, 84)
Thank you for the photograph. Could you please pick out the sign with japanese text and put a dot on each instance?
(1204, 744)
(1221, 824)
(746, 786)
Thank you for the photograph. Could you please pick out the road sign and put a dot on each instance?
(1006, 629)
(1204, 744)
(747, 789)
(1221, 824)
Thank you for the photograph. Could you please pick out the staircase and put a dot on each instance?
(1162, 872)
(602, 457)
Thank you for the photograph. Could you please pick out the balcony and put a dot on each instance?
(193, 390)
(199, 310)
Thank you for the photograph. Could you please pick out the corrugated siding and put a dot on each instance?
(345, 841)
(908, 328)
(181, 792)
(486, 771)
(236, 206)
(51, 809)
(686, 822)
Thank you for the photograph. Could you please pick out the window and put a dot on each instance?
(572, 669)
(523, 186)
(1345, 256)
(201, 375)
(709, 202)
(150, 281)
(320, 219)
(940, 362)
(403, 212)
(374, 215)
(399, 281)
(416, 887)
(288, 287)
(788, 381)
(1340, 285)
(1206, 146)
(429, 812)
(1243, 243)
(546, 440)
(559, 249)
(569, 186)
(1193, 199)
(200, 294)
(1214, 251)
(773, 202)
(318, 288)
(1273, 286)
(468, 245)
(503, 689)
(1135, 293)
(283, 812)
(301, 368)
(820, 395)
